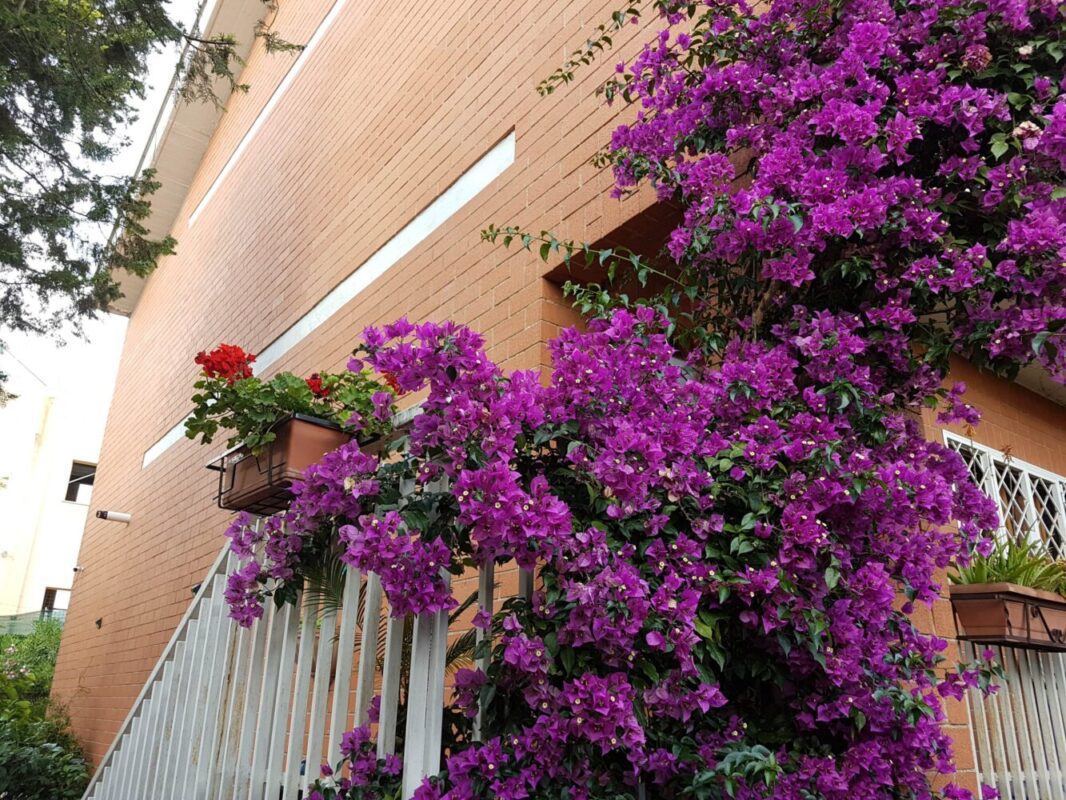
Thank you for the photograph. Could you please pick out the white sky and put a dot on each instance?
(33, 362)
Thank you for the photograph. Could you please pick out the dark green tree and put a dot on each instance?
(71, 72)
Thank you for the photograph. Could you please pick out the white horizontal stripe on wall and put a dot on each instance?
(270, 105)
(466, 188)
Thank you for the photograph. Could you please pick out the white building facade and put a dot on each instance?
(50, 436)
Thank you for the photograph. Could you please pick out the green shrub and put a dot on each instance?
(31, 660)
(39, 757)
(39, 760)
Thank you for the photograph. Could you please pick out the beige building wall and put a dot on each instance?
(56, 419)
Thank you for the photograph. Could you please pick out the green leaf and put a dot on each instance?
(832, 577)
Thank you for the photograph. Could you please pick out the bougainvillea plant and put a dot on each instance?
(230, 398)
(725, 494)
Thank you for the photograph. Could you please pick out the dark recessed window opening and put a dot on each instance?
(80, 485)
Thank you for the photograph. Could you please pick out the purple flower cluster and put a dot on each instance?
(913, 151)
(411, 569)
(336, 488)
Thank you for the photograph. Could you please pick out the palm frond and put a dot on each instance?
(460, 653)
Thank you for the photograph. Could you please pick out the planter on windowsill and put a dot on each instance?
(1011, 615)
(260, 484)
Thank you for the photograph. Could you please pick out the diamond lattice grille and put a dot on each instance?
(1030, 499)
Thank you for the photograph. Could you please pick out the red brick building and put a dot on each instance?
(348, 187)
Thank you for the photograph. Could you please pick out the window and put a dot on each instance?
(1031, 500)
(80, 485)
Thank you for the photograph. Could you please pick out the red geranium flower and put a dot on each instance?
(227, 361)
(314, 383)
(392, 383)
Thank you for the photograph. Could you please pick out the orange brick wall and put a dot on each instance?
(389, 110)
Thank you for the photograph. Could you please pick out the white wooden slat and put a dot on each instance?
(417, 699)
(425, 699)
(119, 766)
(129, 788)
(1032, 722)
(166, 734)
(342, 681)
(319, 697)
(435, 695)
(1021, 723)
(1012, 765)
(298, 713)
(486, 589)
(234, 702)
(140, 744)
(1010, 780)
(198, 696)
(188, 670)
(976, 707)
(220, 675)
(263, 723)
(282, 702)
(368, 648)
(1050, 734)
(155, 763)
(151, 705)
(252, 702)
(390, 684)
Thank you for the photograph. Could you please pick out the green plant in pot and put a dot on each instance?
(231, 398)
(280, 426)
(1012, 596)
(1017, 560)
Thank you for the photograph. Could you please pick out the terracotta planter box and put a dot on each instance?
(260, 483)
(1006, 614)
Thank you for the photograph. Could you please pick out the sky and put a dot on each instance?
(34, 362)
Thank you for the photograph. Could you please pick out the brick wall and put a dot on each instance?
(387, 112)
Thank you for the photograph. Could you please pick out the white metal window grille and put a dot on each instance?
(1031, 500)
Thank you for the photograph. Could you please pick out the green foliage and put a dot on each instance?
(250, 408)
(1015, 560)
(39, 757)
(39, 761)
(69, 81)
(30, 659)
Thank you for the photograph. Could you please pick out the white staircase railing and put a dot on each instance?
(250, 714)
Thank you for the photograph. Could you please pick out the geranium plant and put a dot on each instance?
(231, 398)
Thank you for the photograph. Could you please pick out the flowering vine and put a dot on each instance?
(725, 493)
